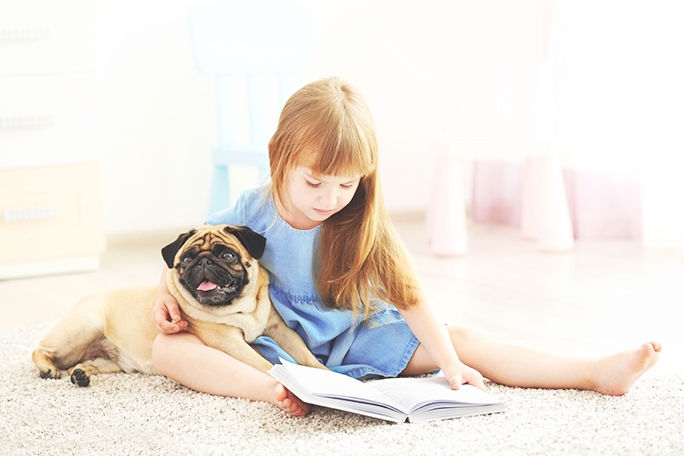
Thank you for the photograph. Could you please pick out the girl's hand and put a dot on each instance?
(166, 315)
(459, 374)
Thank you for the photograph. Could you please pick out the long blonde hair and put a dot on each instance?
(327, 126)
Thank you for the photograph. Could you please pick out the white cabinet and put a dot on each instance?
(51, 220)
(51, 217)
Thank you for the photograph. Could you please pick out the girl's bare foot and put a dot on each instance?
(617, 373)
(288, 402)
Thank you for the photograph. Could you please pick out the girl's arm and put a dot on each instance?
(166, 315)
(434, 336)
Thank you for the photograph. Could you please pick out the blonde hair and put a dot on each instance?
(327, 126)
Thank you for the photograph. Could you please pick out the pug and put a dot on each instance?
(222, 293)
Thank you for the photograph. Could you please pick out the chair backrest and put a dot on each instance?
(251, 37)
(246, 46)
(494, 51)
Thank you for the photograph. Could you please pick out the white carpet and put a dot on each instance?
(123, 414)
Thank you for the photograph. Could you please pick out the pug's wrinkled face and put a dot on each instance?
(215, 276)
(215, 264)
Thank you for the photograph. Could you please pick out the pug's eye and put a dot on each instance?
(186, 260)
(228, 256)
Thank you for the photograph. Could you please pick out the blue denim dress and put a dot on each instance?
(380, 348)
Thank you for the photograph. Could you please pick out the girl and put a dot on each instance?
(342, 279)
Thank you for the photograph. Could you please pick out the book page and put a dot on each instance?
(325, 383)
(411, 393)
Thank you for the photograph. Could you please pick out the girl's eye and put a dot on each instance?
(347, 186)
(311, 184)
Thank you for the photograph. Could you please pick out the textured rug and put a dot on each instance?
(123, 414)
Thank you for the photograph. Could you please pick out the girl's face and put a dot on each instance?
(313, 199)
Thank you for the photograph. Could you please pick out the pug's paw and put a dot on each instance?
(80, 377)
(50, 373)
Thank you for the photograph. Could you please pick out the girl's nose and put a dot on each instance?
(328, 198)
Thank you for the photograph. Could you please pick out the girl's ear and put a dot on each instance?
(253, 242)
(169, 252)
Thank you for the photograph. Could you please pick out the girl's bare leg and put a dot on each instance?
(513, 365)
(185, 359)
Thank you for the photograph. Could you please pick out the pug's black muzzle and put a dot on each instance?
(211, 282)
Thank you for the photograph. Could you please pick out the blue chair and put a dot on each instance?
(252, 49)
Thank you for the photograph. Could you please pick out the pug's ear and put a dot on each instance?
(253, 242)
(169, 252)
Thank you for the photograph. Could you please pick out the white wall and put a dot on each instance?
(157, 117)
(156, 114)
(626, 109)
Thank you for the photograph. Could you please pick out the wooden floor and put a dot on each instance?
(603, 296)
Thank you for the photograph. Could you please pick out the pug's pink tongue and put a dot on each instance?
(207, 286)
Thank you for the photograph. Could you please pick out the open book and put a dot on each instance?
(411, 399)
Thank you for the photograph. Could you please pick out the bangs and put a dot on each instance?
(340, 150)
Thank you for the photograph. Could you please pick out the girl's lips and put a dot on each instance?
(322, 212)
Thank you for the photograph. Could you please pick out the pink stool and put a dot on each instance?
(446, 222)
(545, 217)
